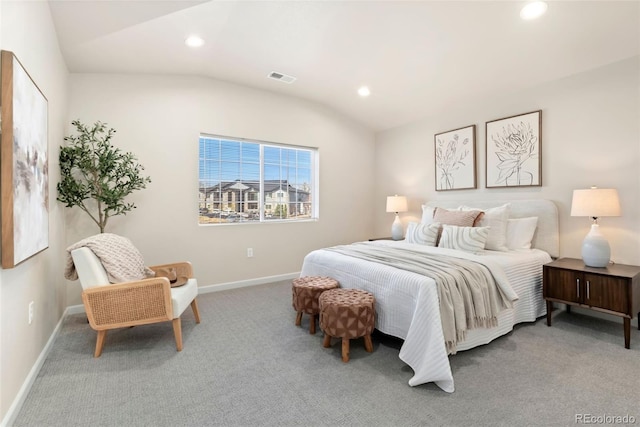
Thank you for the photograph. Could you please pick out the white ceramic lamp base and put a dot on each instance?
(397, 232)
(595, 248)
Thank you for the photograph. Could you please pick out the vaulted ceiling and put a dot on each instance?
(417, 57)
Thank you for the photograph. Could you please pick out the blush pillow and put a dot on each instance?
(466, 218)
(471, 239)
(520, 232)
(422, 234)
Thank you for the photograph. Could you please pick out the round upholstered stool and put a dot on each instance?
(347, 314)
(306, 291)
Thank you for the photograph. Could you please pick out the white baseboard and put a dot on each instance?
(13, 411)
(74, 309)
(15, 407)
(77, 309)
(245, 283)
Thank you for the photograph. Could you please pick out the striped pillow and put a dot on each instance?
(459, 218)
(422, 234)
(470, 239)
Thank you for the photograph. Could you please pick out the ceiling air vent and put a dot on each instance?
(281, 77)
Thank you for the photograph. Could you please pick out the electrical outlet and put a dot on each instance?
(30, 312)
(249, 252)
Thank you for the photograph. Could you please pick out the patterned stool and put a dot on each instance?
(306, 291)
(347, 314)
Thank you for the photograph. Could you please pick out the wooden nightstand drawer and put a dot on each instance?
(609, 293)
(614, 289)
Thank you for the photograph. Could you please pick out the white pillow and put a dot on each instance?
(470, 239)
(422, 234)
(427, 214)
(520, 232)
(497, 219)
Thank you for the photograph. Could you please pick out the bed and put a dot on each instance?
(407, 303)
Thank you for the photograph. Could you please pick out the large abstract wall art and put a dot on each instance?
(24, 175)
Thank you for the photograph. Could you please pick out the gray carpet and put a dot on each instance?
(247, 364)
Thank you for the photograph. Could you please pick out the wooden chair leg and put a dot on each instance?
(368, 345)
(299, 318)
(312, 324)
(345, 350)
(326, 343)
(177, 331)
(196, 312)
(100, 343)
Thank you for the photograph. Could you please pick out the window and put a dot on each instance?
(252, 181)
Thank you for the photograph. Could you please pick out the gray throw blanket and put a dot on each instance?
(467, 291)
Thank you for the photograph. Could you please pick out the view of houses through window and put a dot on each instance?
(243, 181)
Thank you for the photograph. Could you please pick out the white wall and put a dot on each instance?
(159, 118)
(590, 136)
(27, 30)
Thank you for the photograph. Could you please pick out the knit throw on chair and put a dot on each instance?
(120, 259)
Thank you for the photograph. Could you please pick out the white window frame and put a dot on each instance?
(263, 217)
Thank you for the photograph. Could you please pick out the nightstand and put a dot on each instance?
(614, 289)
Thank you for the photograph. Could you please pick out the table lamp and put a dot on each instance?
(397, 204)
(595, 202)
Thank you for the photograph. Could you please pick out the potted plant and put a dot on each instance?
(96, 176)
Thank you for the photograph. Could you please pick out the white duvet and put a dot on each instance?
(407, 303)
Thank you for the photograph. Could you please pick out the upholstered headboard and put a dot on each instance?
(547, 236)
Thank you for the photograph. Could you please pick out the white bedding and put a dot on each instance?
(407, 303)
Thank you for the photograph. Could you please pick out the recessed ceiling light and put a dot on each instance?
(533, 10)
(364, 91)
(194, 41)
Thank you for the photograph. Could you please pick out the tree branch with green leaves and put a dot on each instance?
(93, 170)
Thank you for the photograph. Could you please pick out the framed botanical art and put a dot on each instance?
(24, 174)
(514, 156)
(455, 157)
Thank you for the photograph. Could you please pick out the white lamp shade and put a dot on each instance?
(396, 204)
(595, 202)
